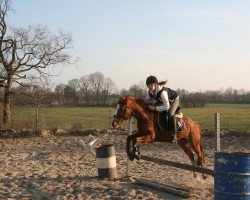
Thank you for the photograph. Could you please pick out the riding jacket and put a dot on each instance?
(163, 97)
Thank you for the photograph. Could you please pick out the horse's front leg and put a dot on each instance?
(133, 142)
(138, 140)
(131, 147)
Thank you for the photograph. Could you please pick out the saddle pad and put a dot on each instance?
(180, 124)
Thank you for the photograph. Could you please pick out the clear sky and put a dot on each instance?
(195, 45)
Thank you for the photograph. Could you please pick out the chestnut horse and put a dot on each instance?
(149, 131)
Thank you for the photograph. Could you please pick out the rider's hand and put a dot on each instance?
(150, 107)
(152, 101)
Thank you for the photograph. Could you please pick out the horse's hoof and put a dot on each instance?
(204, 176)
(138, 157)
(131, 157)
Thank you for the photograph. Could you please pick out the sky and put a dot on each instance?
(195, 45)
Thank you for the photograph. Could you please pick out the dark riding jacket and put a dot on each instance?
(163, 97)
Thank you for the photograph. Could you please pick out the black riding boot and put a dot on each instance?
(173, 127)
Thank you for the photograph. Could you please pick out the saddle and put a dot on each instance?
(163, 120)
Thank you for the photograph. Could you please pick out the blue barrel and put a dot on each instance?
(106, 161)
(232, 176)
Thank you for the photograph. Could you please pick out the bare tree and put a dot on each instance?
(137, 91)
(109, 87)
(27, 52)
(85, 89)
(74, 85)
(70, 95)
(142, 85)
(96, 80)
(229, 94)
(59, 93)
(37, 96)
(123, 92)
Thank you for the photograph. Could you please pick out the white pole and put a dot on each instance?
(217, 130)
(129, 133)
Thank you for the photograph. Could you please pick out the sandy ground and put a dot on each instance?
(48, 167)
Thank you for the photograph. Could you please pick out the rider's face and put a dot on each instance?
(151, 87)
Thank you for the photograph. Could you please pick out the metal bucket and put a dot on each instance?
(106, 161)
(232, 176)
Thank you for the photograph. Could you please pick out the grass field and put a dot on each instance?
(234, 117)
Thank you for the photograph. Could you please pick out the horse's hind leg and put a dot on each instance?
(200, 154)
(197, 147)
(184, 144)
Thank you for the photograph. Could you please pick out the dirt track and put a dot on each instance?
(48, 167)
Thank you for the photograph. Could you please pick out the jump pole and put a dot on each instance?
(163, 187)
(178, 165)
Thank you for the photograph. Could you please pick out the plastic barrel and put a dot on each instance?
(232, 176)
(106, 161)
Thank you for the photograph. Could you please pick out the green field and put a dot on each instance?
(234, 117)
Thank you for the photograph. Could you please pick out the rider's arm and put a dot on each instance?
(147, 99)
(165, 101)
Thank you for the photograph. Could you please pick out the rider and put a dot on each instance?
(163, 99)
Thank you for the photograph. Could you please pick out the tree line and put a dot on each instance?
(95, 89)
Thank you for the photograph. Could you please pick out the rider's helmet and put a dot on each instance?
(151, 80)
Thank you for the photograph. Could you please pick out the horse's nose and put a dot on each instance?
(115, 123)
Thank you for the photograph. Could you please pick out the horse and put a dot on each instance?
(148, 130)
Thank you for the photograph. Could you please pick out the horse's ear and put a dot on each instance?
(130, 98)
(122, 99)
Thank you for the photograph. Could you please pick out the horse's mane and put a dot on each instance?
(139, 101)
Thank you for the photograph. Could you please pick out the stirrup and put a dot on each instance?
(174, 140)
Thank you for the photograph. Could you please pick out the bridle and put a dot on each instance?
(124, 109)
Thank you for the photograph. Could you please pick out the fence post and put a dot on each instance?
(217, 130)
(129, 133)
(110, 120)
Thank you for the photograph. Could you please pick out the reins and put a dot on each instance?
(136, 110)
(141, 113)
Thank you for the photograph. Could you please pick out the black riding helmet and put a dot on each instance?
(151, 80)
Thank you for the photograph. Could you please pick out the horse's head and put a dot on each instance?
(123, 110)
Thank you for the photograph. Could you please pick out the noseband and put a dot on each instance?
(124, 111)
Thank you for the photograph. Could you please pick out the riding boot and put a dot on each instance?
(173, 128)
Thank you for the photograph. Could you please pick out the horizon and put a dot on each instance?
(196, 46)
